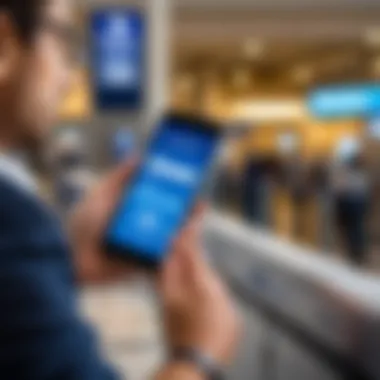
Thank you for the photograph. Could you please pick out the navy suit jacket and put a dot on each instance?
(42, 336)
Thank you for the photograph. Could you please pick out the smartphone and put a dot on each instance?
(158, 201)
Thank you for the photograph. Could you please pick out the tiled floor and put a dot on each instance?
(128, 325)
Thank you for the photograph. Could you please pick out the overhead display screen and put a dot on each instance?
(118, 47)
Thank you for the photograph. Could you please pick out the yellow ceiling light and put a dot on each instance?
(185, 83)
(255, 110)
(372, 37)
(241, 78)
(77, 104)
(376, 67)
(253, 49)
(302, 74)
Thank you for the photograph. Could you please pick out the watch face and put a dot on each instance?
(203, 362)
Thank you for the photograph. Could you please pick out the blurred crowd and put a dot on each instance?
(329, 204)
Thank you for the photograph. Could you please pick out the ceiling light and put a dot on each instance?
(253, 49)
(269, 110)
(241, 78)
(185, 83)
(372, 37)
(376, 67)
(302, 74)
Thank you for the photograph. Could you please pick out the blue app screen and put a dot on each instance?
(155, 207)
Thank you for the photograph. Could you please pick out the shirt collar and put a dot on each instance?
(15, 170)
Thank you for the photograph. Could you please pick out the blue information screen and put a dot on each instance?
(361, 100)
(155, 207)
(118, 45)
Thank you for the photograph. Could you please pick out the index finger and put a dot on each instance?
(188, 245)
(197, 214)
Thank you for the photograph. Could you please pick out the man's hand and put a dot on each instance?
(88, 225)
(198, 310)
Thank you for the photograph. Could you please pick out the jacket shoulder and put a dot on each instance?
(27, 226)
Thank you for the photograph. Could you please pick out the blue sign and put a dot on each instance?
(118, 44)
(345, 101)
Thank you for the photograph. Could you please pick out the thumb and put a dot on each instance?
(117, 177)
(109, 190)
(188, 246)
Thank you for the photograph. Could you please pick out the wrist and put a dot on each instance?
(207, 365)
(181, 370)
(85, 272)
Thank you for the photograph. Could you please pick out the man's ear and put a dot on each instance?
(10, 47)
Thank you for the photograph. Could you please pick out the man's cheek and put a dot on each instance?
(49, 94)
(48, 75)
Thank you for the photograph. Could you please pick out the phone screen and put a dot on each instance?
(158, 202)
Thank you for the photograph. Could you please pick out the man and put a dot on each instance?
(42, 336)
(351, 193)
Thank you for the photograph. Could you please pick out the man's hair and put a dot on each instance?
(25, 15)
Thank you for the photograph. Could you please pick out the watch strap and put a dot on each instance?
(203, 362)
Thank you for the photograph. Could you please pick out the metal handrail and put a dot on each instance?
(326, 304)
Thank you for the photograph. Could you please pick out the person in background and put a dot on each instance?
(71, 172)
(258, 176)
(319, 177)
(351, 189)
(124, 145)
(42, 334)
(225, 187)
(298, 179)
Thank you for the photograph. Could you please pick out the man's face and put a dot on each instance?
(36, 79)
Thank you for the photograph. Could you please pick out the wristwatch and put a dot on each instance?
(203, 362)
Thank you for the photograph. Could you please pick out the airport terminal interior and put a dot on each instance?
(294, 206)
